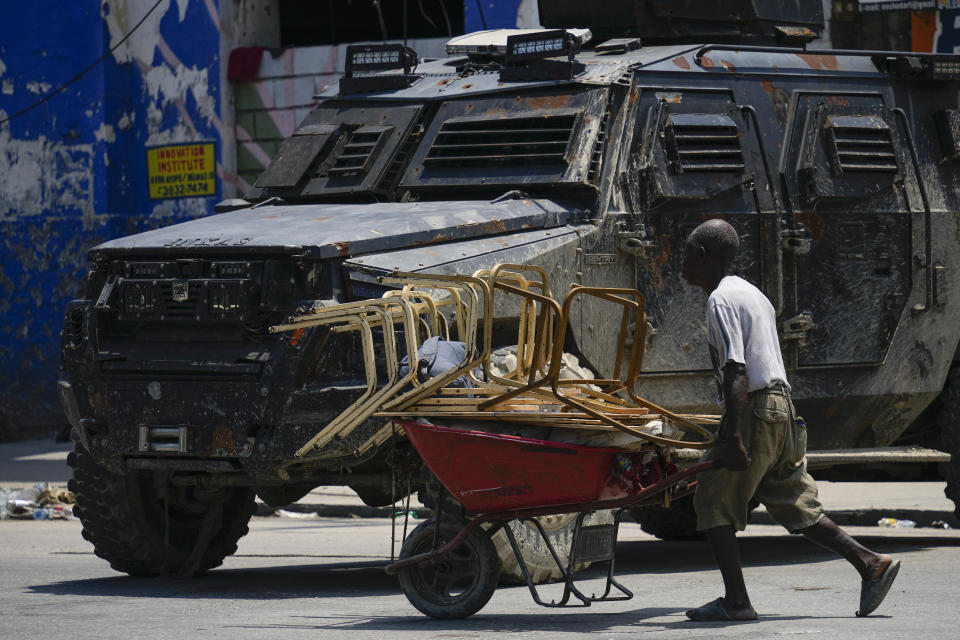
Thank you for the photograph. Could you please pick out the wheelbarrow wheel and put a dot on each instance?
(457, 585)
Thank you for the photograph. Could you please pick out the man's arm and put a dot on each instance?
(733, 454)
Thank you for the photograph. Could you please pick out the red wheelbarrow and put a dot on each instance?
(448, 566)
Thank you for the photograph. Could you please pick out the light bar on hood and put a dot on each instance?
(494, 41)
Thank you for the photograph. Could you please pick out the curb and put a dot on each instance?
(339, 510)
(869, 517)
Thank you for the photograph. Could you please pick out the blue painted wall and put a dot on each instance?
(499, 14)
(73, 170)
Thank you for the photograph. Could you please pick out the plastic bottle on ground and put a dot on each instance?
(894, 523)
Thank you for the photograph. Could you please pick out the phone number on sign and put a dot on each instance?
(181, 189)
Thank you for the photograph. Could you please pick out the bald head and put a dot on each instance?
(718, 238)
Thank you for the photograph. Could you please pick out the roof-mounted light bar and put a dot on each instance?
(541, 44)
(379, 57)
(493, 43)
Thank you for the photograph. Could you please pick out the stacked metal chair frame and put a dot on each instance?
(533, 393)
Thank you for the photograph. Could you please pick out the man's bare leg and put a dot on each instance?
(869, 564)
(726, 551)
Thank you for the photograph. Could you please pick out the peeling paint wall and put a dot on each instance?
(73, 171)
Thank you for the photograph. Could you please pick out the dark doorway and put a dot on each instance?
(317, 22)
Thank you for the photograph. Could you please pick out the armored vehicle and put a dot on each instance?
(590, 148)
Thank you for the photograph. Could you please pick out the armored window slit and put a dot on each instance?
(860, 143)
(699, 142)
(298, 154)
(359, 151)
(540, 140)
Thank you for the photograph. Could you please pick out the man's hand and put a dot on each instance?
(733, 455)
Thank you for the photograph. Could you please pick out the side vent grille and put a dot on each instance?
(703, 142)
(401, 159)
(860, 143)
(542, 140)
(598, 147)
(359, 150)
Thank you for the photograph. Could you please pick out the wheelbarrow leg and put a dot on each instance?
(526, 573)
(593, 543)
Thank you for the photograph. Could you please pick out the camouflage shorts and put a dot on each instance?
(777, 476)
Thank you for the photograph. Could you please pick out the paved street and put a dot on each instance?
(322, 578)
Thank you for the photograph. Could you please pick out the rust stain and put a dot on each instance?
(838, 100)
(707, 63)
(549, 102)
(438, 238)
(656, 264)
(813, 221)
(322, 218)
(681, 62)
(444, 81)
(469, 85)
(728, 66)
(222, 441)
(343, 248)
(493, 226)
(818, 61)
(767, 86)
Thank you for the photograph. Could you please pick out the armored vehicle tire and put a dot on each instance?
(678, 522)
(460, 583)
(186, 533)
(949, 420)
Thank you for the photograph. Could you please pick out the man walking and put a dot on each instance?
(761, 445)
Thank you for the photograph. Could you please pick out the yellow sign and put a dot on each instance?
(182, 171)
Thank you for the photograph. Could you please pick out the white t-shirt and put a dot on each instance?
(742, 327)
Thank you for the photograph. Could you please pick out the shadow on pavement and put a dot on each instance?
(546, 622)
(360, 579)
(643, 620)
(294, 581)
(659, 556)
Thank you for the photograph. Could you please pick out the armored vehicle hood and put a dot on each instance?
(332, 230)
